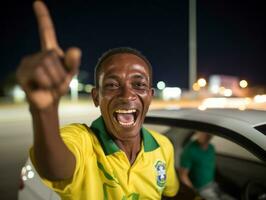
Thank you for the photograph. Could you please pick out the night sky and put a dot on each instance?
(231, 35)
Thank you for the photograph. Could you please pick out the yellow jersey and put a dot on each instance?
(103, 171)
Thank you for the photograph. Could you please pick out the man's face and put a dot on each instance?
(204, 138)
(124, 94)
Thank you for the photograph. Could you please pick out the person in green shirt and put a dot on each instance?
(197, 168)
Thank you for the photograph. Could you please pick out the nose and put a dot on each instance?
(127, 93)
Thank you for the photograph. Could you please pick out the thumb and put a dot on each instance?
(73, 59)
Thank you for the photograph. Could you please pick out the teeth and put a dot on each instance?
(126, 124)
(126, 111)
(131, 111)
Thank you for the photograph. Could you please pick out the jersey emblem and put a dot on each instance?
(161, 173)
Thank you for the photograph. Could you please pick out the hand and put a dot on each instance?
(45, 76)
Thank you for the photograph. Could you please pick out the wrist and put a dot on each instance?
(48, 109)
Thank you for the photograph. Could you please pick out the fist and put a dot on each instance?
(45, 76)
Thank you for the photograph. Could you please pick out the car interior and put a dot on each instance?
(238, 172)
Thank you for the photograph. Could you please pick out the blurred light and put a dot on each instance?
(161, 85)
(30, 174)
(213, 103)
(23, 170)
(28, 167)
(248, 100)
(215, 89)
(18, 94)
(243, 83)
(222, 102)
(202, 82)
(74, 88)
(171, 93)
(74, 83)
(221, 90)
(27, 173)
(214, 84)
(80, 87)
(24, 178)
(260, 98)
(196, 87)
(202, 107)
(225, 92)
(242, 107)
(88, 88)
(228, 92)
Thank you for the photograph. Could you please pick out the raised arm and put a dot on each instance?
(45, 78)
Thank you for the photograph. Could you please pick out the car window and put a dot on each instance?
(229, 148)
(180, 136)
(158, 128)
(226, 147)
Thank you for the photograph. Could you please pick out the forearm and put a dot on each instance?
(187, 181)
(53, 159)
(184, 177)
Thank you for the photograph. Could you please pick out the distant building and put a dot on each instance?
(225, 85)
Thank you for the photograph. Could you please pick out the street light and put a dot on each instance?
(196, 87)
(202, 82)
(171, 93)
(228, 92)
(74, 84)
(243, 83)
(161, 85)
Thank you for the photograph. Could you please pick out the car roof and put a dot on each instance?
(246, 128)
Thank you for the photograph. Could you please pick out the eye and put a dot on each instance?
(140, 85)
(111, 85)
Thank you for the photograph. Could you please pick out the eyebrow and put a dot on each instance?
(112, 76)
(139, 76)
(136, 76)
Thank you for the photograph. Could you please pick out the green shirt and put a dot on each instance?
(200, 163)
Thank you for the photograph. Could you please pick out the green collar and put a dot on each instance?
(110, 147)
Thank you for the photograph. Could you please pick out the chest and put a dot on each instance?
(118, 179)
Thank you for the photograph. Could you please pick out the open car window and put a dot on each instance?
(229, 148)
(236, 169)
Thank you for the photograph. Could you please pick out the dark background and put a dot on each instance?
(231, 35)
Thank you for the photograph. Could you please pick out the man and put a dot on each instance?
(114, 158)
(197, 167)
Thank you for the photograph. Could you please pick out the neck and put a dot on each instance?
(130, 147)
(204, 145)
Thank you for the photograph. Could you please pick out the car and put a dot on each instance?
(239, 139)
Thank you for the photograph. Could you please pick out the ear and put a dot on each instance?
(95, 96)
(152, 92)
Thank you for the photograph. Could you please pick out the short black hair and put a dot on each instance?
(119, 50)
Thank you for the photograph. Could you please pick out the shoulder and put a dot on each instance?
(212, 147)
(190, 147)
(76, 133)
(162, 140)
(191, 144)
(75, 128)
(78, 138)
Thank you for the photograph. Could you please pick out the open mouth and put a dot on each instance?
(126, 118)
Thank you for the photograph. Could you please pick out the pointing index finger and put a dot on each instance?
(46, 27)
